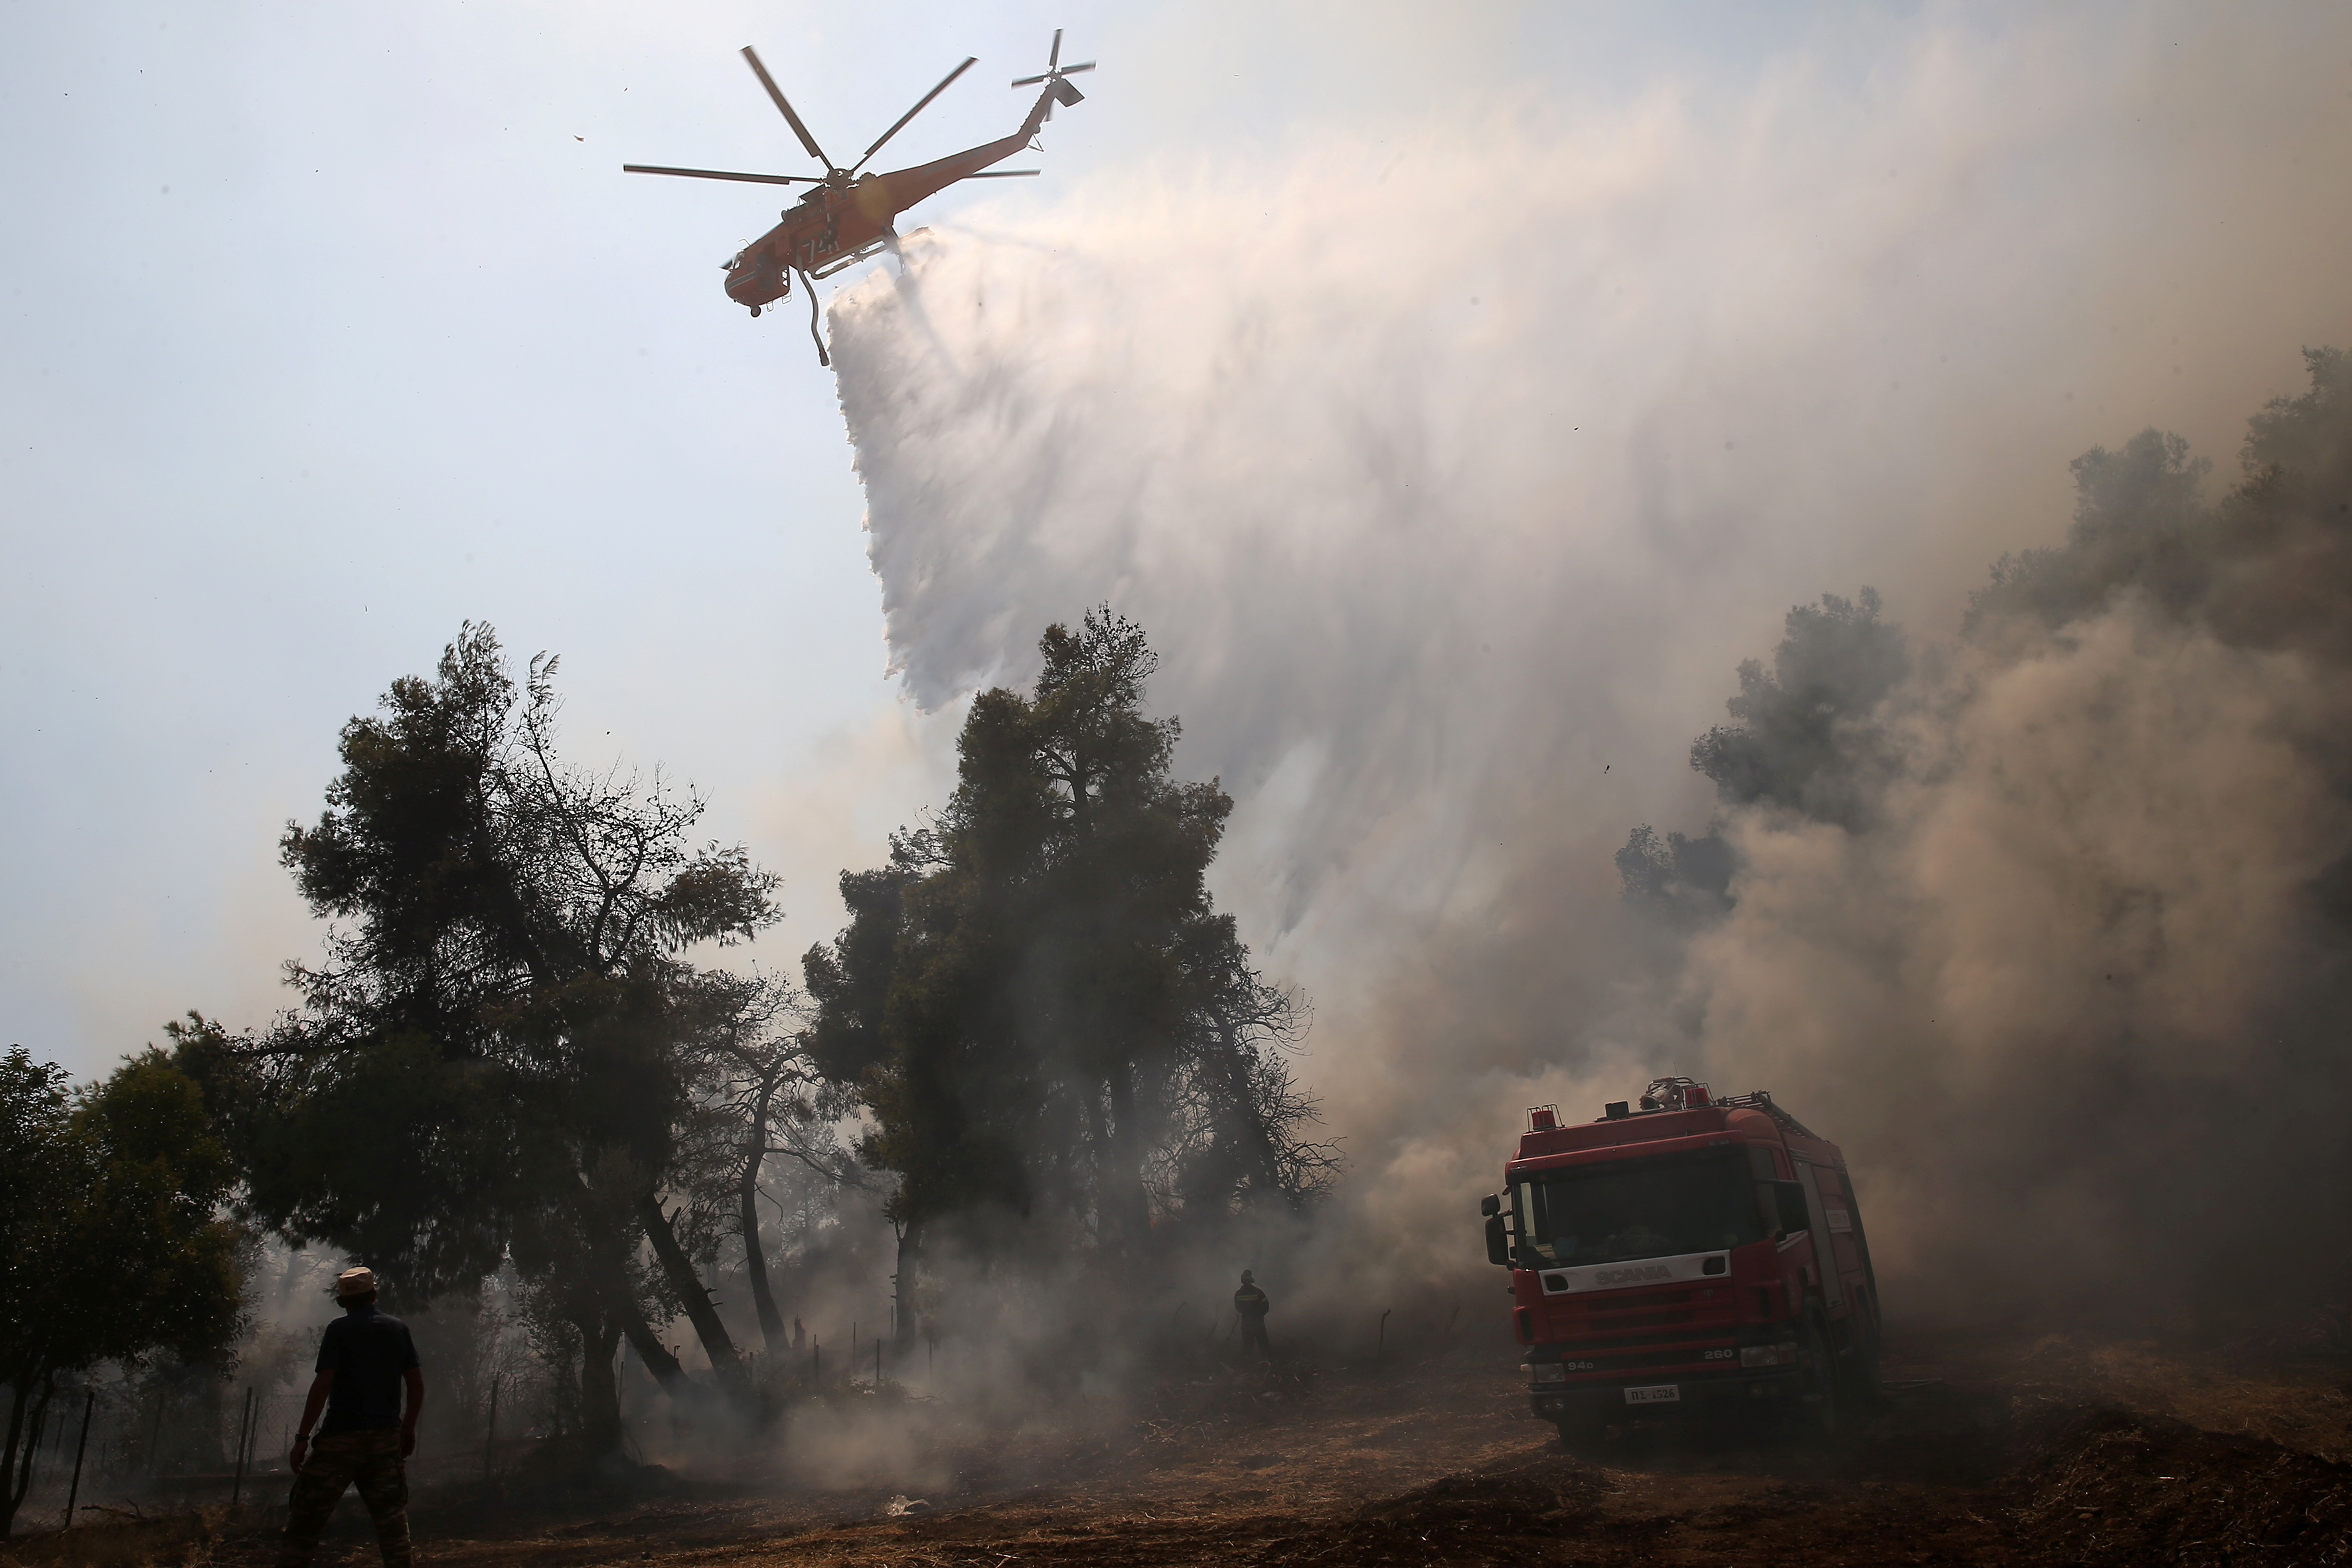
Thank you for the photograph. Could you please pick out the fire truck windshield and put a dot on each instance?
(1656, 1207)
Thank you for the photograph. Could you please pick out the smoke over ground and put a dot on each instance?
(1452, 471)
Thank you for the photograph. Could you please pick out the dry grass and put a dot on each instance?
(105, 1537)
(2003, 1452)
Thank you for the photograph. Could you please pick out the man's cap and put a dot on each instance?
(1246, 1277)
(354, 1282)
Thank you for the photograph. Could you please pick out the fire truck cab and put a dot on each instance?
(1682, 1256)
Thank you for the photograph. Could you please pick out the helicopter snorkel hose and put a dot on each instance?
(809, 284)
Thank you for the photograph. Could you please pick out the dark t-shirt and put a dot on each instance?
(367, 1351)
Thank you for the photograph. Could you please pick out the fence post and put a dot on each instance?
(244, 1432)
(30, 1453)
(490, 1437)
(73, 1494)
(1380, 1345)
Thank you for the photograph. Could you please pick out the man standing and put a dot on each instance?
(1251, 1303)
(363, 1360)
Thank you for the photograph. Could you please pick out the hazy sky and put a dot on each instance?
(327, 330)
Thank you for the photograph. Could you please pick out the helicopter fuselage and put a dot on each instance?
(839, 222)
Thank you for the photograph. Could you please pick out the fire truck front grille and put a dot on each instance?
(1636, 1319)
(1652, 1358)
(1628, 1303)
(1686, 1355)
(1579, 1350)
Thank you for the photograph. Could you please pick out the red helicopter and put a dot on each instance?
(847, 216)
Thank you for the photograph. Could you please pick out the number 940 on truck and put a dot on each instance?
(1686, 1255)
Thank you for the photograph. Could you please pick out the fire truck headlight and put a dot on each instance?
(1546, 1372)
(1767, 1355)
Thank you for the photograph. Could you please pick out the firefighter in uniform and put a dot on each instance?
(1251, 1303)
(364, 1361)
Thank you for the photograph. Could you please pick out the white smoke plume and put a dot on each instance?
(2072, 992)
(1452, 469)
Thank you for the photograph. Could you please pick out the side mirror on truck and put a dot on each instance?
(1498, 1240)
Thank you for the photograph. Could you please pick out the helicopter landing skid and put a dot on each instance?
(849, 259)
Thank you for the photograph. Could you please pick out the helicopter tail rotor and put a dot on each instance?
(1056, 73)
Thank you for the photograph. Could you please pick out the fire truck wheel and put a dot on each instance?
(1582, 1434)
(1862, 1389)
(1824, 1414)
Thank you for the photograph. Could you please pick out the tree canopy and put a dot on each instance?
(1803, 739)
(2266, 566)
(111, 1230)
(1047, 1017)
(503, 1051)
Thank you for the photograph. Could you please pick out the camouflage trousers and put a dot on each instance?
(369, 1461)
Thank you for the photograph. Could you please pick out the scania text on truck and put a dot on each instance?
(1683, 1256)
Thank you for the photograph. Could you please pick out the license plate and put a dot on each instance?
(1656, 1394)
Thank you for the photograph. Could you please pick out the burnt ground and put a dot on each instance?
(1992, 1451)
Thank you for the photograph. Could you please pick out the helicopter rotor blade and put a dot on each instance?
(1004, 175)
(791, 118)
(945, 82)
(1029, 82)
(1073, 70)
(724, 174)
(1054, 60)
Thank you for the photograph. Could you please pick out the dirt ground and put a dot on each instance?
(1993, 1451)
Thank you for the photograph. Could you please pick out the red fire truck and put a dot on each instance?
(1688, 1253)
